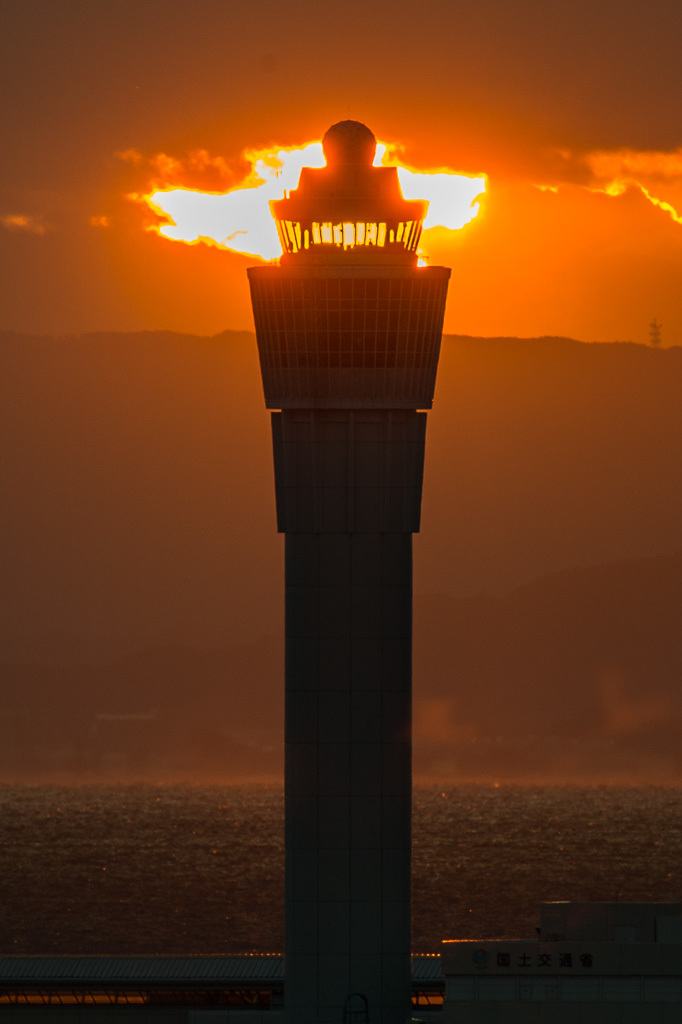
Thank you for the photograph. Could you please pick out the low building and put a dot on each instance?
(169, 989)
(597, 963)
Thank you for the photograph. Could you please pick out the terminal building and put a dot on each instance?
(596, 963)
(591, 963)
(171, 990)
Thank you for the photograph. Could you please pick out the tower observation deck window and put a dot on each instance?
(296, 236)
(348, 317)
(349, 209)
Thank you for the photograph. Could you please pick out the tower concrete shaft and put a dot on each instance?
(348, 331)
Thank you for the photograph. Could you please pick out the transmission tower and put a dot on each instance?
(655, 332)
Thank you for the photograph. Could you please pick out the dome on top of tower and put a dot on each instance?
(349, 142)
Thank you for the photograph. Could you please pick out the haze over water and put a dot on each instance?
(190, 869)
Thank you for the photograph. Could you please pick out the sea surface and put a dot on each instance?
(199, 869)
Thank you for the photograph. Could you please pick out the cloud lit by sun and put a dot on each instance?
(657, 175)
(240, 219)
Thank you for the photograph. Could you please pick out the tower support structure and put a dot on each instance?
(348, 331)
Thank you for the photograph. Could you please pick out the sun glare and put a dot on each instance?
(240, 220)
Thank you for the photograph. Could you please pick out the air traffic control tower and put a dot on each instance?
(349, 331)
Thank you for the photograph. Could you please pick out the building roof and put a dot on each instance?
(144, 971)
(140, 970)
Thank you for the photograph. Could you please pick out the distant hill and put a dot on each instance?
(547, 453)
(573, 676)
(141, 563)
(172, 712)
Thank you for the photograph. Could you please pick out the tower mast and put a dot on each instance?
(349, 330)
(655, 332)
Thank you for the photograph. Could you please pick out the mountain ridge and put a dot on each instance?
(137, 471)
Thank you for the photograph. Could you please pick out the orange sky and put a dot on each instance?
(138, 469)
(554, 103)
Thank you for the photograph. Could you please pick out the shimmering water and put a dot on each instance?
(183, 869)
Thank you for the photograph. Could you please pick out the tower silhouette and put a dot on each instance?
(349, 330)
(655, 332)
